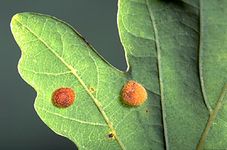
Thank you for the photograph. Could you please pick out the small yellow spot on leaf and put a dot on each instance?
(91, 89)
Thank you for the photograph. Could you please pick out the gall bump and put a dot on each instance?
(133, 93)
(63, 97)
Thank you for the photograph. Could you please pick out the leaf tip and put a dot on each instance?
(14, 20)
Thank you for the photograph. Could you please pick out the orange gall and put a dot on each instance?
(63, 97)
(133, 93)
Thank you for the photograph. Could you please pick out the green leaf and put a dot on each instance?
(166, 34)
(53, 56)
(181, 65)
(213, 71)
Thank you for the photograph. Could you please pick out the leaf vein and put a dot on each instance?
(74, 71)
(47, 73)
(158, 48)
(72, 119)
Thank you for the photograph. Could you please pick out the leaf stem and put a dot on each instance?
(211, 119)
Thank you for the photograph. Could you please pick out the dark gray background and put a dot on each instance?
(20, 127)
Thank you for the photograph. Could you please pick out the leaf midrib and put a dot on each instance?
(212, 117)
(212, 111)
(200, 61)
(74, 72)
(158, 49)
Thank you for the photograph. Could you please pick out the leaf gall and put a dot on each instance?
(133, 93)
(63, 97)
